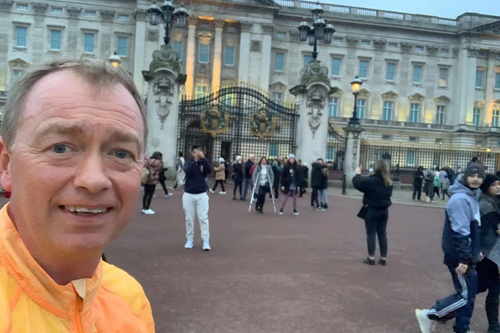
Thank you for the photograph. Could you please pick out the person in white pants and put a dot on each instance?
(195, 198)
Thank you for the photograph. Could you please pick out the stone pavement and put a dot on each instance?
(271, 273)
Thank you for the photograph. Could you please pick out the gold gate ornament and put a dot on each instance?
(214, 122)
(261, 125)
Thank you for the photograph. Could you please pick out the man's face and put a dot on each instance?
(75, 168)
(474, 180)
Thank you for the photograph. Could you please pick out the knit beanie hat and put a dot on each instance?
(474, 167)
(488, 181)
(221, 160)
(291, 156)
(238, 158)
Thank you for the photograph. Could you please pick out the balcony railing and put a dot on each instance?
(368, 12)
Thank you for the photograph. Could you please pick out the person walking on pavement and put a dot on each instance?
(323, 190)
(181, 175)
(445, 185)
(154, 165)
(238, 177)
(377, 190)
(487, 270)
(163, 179)
(276, 174)
(263, 179)
(248, 177)
(220, 176)
(429, 184)
(316, 177)
(195, 198)
(291, 180)
(418, 177)
(437, 185)
(461, 247)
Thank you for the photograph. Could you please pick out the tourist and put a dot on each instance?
(220, 176)
(263, 179)
(248, 166)
(154, 166)
(305, 176)
(180, 174)
(71, 153)
(238, 177)
(377, 190)
(291, 180)
(163, 178)
(418, 177)
(445, 185)
(323, 190)
(487, 270)
(195, 198)
(429, 185)
(277, 177)
(316, 180)
(437, 184)
(461, 246)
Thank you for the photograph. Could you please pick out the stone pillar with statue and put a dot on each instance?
(312, 103)
(164, 82)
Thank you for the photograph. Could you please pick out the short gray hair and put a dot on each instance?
(98, 73)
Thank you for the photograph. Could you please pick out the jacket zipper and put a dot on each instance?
(79, 308)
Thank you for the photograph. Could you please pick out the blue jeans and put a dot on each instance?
(459, 305)
(324, 197)
(247, 184)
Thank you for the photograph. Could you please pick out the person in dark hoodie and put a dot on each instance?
(276, 185)
(487, 269)
(305, 175)
(238, 176)
(377, 191)
(195, 198)
(418, 177)
(316, 177)
(461, 246)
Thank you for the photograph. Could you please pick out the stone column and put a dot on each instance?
(164, 81)
(246, 28)
(265, 63)
(352, 151)
(311, 96)
(216, 72)
(191, 57)
(140, 47)
(489, 87)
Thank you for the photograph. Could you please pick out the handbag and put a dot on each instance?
(145, 176)
(363, 212)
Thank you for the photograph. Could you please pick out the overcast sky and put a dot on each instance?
(442, 8)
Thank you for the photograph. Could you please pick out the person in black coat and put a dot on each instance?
(487, 270)
(163, 178)
(305, 176)
(377, 191)
(418, 177)
(276, 185)
(323, 190)
(238, 177)
(316, 180)
(291, 180)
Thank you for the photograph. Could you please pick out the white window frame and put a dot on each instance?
(476, 117)
(123, 17)
(52, 39)
(203, 91)
(203, 47)
(85, 42)
(440, 114)
(388, 111)
(495, 118)
(482, 71)
(366, 43)
(330, 153)
(419, 48)
(339, 67)
(118, 46)
(90, 13)
(420, 74)
(282, 55)
(179, 52)
(333, 106)
(25, 36)
(415, 108)
(393, 72)
(338, 40)
(280, 35)
(392, 46)
(443, 81)
(226, 63)
(445, 51)
(275, 97)
(56, 10)
(22, 6)
(307, 56)
(366, 74)
(361, 105)
(497, 81)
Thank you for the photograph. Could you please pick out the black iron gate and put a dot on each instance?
(236, 120)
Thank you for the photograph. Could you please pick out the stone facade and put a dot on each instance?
(429, 78)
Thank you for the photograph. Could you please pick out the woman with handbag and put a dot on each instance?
(263, 179)
(377, 190)
(151, 177)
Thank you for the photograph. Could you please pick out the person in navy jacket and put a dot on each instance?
(195, 198)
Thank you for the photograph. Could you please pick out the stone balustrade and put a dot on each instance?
(367, 12)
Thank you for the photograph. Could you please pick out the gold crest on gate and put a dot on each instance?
(261, 125)
(214, 122)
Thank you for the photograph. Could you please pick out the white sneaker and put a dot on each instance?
(189, 244)
(211, 191)
(426, 325)
(171, 188)
(222, 192)
(168, 195)
(206, 245)
(149, 212)
(143, 211)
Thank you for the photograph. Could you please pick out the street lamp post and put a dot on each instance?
(320, 30)
(115, 60)
(356, 86)
(167, 13)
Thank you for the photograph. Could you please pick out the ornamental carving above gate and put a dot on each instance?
(261, 125)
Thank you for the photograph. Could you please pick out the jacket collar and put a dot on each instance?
(41, 288)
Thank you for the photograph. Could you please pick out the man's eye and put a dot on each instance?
(122, 154)
(60, 149)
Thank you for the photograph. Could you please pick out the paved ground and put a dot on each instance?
(271, 273)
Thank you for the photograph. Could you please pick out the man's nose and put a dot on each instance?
(92, 175)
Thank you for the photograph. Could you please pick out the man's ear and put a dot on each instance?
(5, 179)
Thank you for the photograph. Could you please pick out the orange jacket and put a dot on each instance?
(30, 301)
